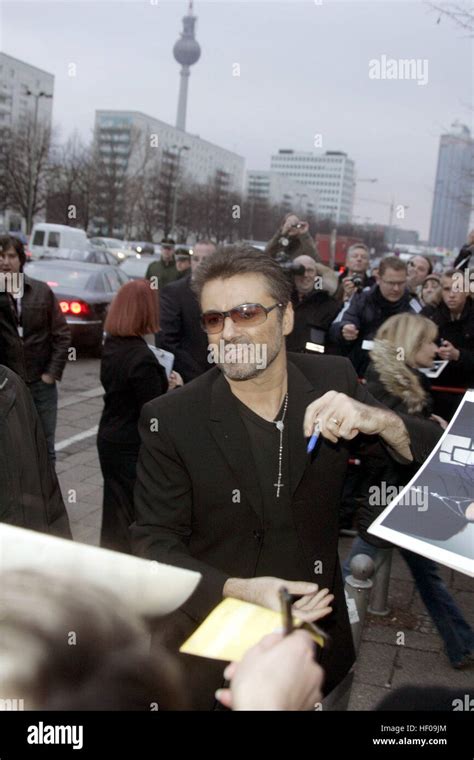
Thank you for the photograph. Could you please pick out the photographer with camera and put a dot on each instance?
(313, 306)
(292, 239)
(354, 278)
(370, 308)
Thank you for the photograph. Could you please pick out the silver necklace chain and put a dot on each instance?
(280, 426)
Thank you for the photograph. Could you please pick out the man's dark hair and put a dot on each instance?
(231, 260)
(391, 262)
(110, 668)
(426, 258)
(7, 241)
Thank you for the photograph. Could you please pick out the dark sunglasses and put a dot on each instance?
(251, 314)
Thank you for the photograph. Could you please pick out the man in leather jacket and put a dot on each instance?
(44, 332)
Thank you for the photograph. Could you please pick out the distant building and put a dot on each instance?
(395, 236)
(199, 163)
(452, 202)
(122, 137)
(17, 79)
(279, 190)
(330, 175)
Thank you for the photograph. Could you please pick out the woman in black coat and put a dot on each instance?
(403, 345)
(131, 375)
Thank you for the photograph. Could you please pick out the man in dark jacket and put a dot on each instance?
(455, 319)
(29, 491)
(292, 239)
(11, 346)
(370, 309)
(45, 333)
(181, 332)
(313, 306)
(226, 486)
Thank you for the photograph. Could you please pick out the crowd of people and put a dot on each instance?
(205, 463)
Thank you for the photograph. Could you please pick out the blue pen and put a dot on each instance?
(314, 438)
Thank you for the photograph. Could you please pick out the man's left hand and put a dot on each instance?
(340, 416)
(48, 379)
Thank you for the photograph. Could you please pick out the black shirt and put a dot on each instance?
(279, 537)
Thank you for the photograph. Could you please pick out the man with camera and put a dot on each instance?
(292, 239)
(354, 277)
(313, 305)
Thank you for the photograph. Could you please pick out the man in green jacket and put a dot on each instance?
(164, 270)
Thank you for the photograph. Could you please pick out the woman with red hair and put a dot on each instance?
(131, 376)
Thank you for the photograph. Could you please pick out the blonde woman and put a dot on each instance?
(403, 345)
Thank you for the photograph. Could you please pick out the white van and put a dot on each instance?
(46, 239)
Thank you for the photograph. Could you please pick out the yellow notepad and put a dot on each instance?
(232, 628)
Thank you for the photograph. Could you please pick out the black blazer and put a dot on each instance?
(188, 472)
(131, 376)
(181, 332)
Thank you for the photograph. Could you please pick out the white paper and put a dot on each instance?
(446, 477)
(149, 588)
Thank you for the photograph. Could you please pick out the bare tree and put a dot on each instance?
(461, 14)
(24, 168)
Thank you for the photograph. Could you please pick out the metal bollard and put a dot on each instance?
(379, 597)
(357, 590)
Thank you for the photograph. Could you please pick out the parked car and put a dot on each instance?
(84, 292)
(50, 238)
(89, 255)
(136, 267)
(116, 247)
(141, 247)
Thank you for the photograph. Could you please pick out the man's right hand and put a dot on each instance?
(348, 287)
(350, 332)
(313, 604)
(260, 682)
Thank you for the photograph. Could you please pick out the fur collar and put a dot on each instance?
(397, 377)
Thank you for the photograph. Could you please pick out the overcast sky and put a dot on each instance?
(304, 70)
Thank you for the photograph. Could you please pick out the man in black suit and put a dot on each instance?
(225, 485)
(181, 332)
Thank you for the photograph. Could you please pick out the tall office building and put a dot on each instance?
(331, 175)
(452, 202)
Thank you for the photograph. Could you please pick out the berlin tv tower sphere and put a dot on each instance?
(187, 51)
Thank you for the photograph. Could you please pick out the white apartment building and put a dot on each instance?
(17, 79)
(200, 162)
(279, 190)
(331, 175)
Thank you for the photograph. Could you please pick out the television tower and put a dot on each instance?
(186, 51)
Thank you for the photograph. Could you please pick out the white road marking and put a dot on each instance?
(75, 438)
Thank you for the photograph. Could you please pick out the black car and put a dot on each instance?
(90, 255)
(84, 292)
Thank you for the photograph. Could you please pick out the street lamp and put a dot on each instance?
(29, 213)
(300, 196)
(371, 180)
(179, 150)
